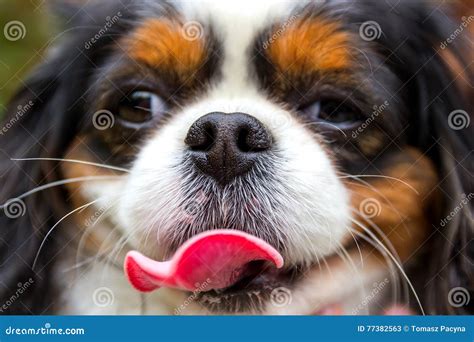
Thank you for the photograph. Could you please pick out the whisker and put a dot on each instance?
(348, 260)
(383, 236)
(382, 176)
(86, 232)
(61, 182)
(55, 225)
(105, 166)
(79, 264)
(393, 274)
(397, 264)
(356, 243)
(325, 124)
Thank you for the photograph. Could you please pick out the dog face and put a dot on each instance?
(293, 123)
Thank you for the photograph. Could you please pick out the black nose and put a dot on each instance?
(225, 146)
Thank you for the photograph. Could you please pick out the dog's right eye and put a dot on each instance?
(140, 107)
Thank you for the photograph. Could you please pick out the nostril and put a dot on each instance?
(201, 139)
(208, 139)
(242, 140)
(253, 138)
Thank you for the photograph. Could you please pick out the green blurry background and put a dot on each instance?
(18, 57)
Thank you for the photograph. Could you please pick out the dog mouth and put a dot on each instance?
(227, 270)
(259, 286)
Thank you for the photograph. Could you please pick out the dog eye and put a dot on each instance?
(338, 114)
(140, 107)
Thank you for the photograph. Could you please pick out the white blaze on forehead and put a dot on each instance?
(237, 24)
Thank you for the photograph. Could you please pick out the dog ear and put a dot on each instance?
(25, 133)
(427, 51)
(34, 126)
(72, 13)
(40, 122)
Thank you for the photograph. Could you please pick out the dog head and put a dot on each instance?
(326, 129)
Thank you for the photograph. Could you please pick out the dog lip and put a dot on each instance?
(250, 293)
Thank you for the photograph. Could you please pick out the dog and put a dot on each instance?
(337, 132)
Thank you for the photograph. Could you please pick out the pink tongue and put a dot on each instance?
(212, 260)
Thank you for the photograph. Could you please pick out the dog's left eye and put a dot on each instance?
(335, 113)
(140, 107)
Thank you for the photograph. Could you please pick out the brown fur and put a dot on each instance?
(311, 45)
(404, 214)
(162, 44)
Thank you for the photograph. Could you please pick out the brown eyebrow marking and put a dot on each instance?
(162, 44)
(311, 44)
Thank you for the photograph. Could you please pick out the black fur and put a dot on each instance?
(430, 96)
(46, 130)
